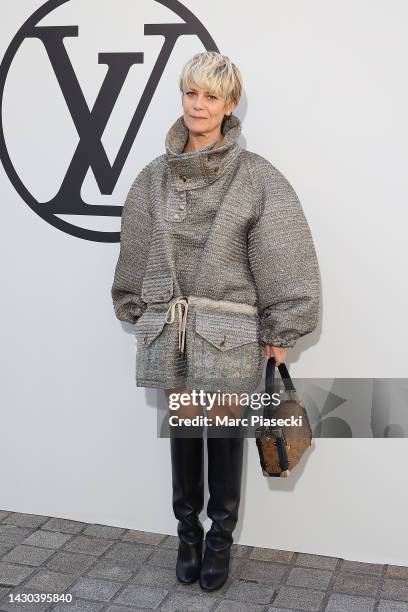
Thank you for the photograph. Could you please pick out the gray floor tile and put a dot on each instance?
(79, 605)
(163, 557)
(3, 592)
(271, 554)
(396, 571)
(273, 609)
(170, 541)
(143, 537)
(309, 578)
(133, 554)
(64, 525)
(357, 584)
(111, 570)
(176, 602)
(386, 605)
(94, 589)
(348, 603)
(155, 576)
(317, 561)
(142, 596)
(394, 589)
(50, 582)
(117, 608)
(87, 545)
(12, 575)
(47, 539)
(247, 591)
(271, 573)
(28, 555)
(25, 520)
(358, 566)
(239, 550)
(5, 548)
(13, 535)
(70, 563)
(229, 605)
(104, 531)
(298, 599)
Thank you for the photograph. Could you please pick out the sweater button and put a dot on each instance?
(181, 206)
(182, 196)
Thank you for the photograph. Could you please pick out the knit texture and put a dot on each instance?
(221, 223)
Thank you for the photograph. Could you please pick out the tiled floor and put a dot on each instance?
(120, 570)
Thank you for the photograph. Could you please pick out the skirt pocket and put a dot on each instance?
(226, 353)
(158, 361)
(151, 346)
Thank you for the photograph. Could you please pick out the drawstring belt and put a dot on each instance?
(209, 303)
(182, 314)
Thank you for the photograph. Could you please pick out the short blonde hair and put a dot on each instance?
(213, 72)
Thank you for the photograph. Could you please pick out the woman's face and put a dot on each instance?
(202, 111)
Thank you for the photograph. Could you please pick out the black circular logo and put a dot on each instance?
(89, 154)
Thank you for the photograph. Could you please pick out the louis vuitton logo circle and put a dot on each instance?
(89, 124)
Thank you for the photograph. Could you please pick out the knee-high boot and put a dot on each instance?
(225, 456)
(188, 501)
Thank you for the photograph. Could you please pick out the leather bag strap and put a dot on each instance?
(270, 376)
(270, 382)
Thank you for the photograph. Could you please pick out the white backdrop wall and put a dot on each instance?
(325, 101)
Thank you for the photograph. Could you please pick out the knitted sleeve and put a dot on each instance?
(136, 225)
(282, 260)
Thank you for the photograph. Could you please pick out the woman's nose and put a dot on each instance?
(199, 102)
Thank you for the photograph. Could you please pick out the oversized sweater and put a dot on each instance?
(219, 223)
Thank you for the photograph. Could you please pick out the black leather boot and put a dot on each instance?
(188, 500)
(224, 483)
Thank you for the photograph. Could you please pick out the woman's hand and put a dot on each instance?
(278, 352)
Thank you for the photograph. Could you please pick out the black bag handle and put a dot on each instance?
(268, 410)
(270, 376)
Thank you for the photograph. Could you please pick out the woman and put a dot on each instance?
(218, 270)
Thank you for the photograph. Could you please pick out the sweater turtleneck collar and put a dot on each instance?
(195, 169)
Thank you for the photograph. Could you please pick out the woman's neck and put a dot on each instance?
(188, 148)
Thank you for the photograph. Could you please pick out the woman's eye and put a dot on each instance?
(192, 93)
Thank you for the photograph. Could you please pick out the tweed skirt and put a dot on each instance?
(199, 343)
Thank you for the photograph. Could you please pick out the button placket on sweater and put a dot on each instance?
(177, 204)
(193, 171)
(180, 211)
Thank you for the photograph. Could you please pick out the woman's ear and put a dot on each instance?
(231, 107)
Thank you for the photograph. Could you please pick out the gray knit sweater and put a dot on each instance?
(222, 223)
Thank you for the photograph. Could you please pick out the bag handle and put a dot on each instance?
(270, 376)
(268, 410)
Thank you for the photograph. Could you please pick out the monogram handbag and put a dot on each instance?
(281, 447)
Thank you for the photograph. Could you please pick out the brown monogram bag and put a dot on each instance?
(281, 447)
